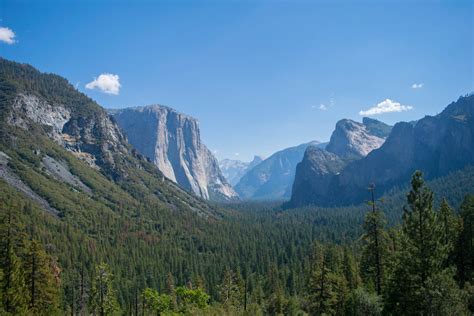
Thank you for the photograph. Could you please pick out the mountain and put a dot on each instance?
(354, 140)
(436, 145)
(350, 141)
(234, 170)
(273, 177)
(376, 127)
(171, 140)
(64, 151)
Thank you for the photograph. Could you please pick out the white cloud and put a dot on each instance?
(325, 106)
(386, 106)
(107, 83)
(417, 86)
(7, 35)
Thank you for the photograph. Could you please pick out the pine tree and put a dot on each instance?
(464, 253)
(375, 248)
(449, 223)
(350, 270)
(103, 300)
(40, 280)
(450, 228)
(326, 289)
(420, 276)
(14, 292)
(170, 290)
(231, 289)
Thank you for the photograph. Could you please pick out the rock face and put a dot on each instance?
(349, 142)
(93, 138)
(234, 170)
(353, 140)
(172, 141)
(272, 178)
(42, 114)
(435, 145)
(314, 174)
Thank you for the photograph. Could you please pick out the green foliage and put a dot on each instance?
(103, 296)
(363, 303)
(327, 287)
(464, 255)
(231, 290)
(156, 302)
(191, 299)
(29, 276)
(375, 250)
(42, 279)
(420, 270)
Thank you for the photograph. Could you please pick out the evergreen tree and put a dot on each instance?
(276, 302)
(14, 293)
(375, 248)
(465, 245)
(363, 303)
(231, 289)
(420, 272)
(350, 270)
(103, 299)
(450, 227)
(170, 290)
(40, 280)
(326, 290)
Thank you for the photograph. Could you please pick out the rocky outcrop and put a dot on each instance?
(436, 145)
(350, 141)
(353, 140)
(172, 141)
(314, 174)
(30, 107)
(234, 170)
(94, 138)
(40, 111)
(272, 179)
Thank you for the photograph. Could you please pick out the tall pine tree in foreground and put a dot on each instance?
(375, 251)
(465, 245)
(421, 284)
(326, 289)
(103, 300)
(40, 280)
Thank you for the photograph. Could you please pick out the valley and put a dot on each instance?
(131, 205)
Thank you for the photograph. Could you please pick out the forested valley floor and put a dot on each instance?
(407, 254)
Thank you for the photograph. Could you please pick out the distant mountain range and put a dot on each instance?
(233, 170)
(435, 145)
(121, 146)
(273, 177)
(171, 140)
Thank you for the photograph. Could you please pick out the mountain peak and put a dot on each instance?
(352, 140)
(172, 141)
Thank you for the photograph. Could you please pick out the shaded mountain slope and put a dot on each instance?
(435, 144)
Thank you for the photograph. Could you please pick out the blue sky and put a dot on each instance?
(258, 75)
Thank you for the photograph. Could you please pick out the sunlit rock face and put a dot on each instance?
(172, 141)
